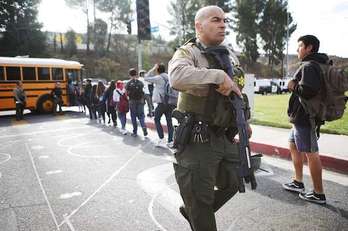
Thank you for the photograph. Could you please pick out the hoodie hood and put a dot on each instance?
(317, 57)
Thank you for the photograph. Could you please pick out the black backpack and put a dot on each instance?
(135, 89)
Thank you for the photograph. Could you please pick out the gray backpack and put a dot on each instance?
(329, 104)
(170, 94)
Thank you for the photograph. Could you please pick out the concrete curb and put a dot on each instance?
(328, 162)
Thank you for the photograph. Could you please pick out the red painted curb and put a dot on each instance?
(328, 162)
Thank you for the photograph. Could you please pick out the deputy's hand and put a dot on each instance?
(227, 86)
(292, 84)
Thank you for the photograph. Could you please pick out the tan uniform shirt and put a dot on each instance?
(189, 73)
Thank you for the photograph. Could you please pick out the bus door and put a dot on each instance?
(73, 85)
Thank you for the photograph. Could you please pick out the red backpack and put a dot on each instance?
(123, 105)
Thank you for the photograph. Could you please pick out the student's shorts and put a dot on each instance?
(304, 138)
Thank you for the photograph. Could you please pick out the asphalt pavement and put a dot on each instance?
(69, 173)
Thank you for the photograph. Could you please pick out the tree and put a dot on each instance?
(70, 47)
(101, 30)
(273, 30)
(246, 14)
(21, 31)
(83, 5)
(182, 23)
(120, 13)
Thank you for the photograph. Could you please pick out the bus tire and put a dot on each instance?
(44, 104)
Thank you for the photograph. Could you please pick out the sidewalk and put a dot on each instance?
(274, 142)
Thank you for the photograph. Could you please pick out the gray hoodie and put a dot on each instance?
(159, 85)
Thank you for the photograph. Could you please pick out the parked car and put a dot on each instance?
(266, 86)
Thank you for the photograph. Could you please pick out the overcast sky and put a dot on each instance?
(327, 19)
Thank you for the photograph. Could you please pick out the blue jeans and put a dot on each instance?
(304, 138)
(167, 110)
(123, 119)
(137, 111)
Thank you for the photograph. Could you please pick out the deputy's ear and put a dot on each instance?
(198, 27)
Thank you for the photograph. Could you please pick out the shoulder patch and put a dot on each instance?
(181, 53)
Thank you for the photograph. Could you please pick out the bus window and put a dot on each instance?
(29, 73)
(2, 77)
(44, 73)
(57, 73)
(72, 75)
(13, 73)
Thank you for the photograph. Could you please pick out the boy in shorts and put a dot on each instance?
(303, 138)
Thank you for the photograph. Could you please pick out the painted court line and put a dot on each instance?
(102, 186)
(154, 182)
(54, 172)
(41, 186)
(7, 157)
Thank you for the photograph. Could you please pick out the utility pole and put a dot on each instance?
(140, 55)
(287, 43)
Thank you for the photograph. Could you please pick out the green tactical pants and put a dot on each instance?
(199, 168)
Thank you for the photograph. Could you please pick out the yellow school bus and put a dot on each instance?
(38, 76)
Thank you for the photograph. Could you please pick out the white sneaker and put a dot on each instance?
(161, 143)
(170, 144)
(124, 131)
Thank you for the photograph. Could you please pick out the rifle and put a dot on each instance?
(245, 171)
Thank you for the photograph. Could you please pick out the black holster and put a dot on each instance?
(182, 132)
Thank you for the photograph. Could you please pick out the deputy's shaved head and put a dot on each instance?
(205, 12)
(210, 25)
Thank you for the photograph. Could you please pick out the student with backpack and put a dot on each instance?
(121, 99)
(135, 92)
(166, 99)
(307, 84)
(101, 109)
(110, 103)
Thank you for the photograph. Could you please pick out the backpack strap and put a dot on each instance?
(119, 93)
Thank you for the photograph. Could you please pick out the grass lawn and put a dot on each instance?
(270, 110)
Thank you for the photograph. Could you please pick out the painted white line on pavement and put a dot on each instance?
(37, 147)
(54, 172)
(105, 183)
(70, 152)
(67, 221)
(44, 157)
(150, 210)
(41, 186)
(153, 182)
(6, 158)
(65, 137)
(70, 195)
